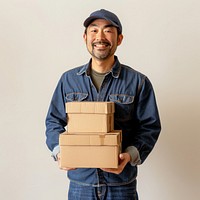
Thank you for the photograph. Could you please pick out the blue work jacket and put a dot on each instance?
(136, 114)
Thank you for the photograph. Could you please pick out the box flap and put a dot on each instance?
(102, 139)
(90, 107)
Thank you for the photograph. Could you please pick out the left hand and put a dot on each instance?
(124, 158)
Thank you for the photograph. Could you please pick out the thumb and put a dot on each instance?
(121, 156)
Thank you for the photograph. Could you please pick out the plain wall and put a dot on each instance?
(40, 39)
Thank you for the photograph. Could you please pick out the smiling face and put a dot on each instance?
(102, 39)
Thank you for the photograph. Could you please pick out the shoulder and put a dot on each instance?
(135, 76)
(73, 70)
(131, 71)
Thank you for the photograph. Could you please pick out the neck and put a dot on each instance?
(102, 66)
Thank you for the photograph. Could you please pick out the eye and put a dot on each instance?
(93, 30)
(108, 30)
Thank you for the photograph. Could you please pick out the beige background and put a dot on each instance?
(40, 39)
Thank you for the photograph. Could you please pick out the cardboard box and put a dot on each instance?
(90, 107)
(84, 123)
(84, 117)
(90, 151)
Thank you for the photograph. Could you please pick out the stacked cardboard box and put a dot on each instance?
(90, 140)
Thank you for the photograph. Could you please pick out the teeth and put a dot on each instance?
(100, 45)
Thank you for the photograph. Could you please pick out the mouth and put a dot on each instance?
(101, 45)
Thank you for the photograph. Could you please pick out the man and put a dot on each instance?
(104, 78)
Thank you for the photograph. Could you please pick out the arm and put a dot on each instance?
(56, 119)
(146, 120)
(146, 128)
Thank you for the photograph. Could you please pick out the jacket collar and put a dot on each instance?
(115, 71)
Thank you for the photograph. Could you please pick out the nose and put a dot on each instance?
(100, 35)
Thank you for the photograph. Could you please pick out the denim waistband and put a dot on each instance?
(104, 184)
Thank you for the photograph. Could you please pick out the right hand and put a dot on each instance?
(63, 168)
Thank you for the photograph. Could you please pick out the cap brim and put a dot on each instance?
(89, 20)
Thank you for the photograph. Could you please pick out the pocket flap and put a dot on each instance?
(121, 98)
(76, 96)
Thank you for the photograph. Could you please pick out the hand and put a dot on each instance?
(63, 168)
(124, 158)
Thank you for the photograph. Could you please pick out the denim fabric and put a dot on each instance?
(136, 114)
(102, 192)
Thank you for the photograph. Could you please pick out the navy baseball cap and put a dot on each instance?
(104, 14)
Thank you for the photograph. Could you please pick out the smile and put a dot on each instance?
(101, 44)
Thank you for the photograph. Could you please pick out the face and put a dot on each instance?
(102, 39)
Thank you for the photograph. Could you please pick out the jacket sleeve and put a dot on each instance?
(56, 117)
(147, 119)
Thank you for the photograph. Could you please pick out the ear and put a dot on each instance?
(120, 38)
(85, 37)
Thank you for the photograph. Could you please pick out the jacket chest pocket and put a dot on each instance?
(76, 96)
(124, 105)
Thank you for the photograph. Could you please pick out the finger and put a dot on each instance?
(121, 156)
(67, 168)
(112, 170)
(124, 157)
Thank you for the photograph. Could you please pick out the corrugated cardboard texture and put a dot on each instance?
(90, 150)
(89, 142)
(90, 107)
(90, 123)
(89, 156)
(101, 139)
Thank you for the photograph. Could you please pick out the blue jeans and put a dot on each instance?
(103, 192)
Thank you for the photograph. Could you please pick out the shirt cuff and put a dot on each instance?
(135, 156)
(55, 152)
